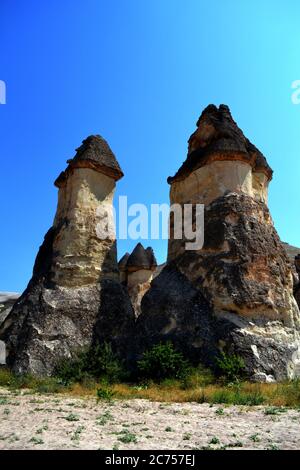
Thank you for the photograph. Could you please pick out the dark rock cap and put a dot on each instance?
(151, 257)
(218, 137)
(94, 153)
(141, 259)
(123, 262)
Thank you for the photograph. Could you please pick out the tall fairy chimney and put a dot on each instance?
(85, 198)
(235, 292)
(70, 301)
(220, 160)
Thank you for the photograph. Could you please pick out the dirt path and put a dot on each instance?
(31, 421)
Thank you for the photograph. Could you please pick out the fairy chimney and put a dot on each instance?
(74, 296)
(123, 268)
(136, 271)
(85, 246)
(236, 291)
(220, 160)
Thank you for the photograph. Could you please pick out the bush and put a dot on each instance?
(103, 363)
(73, 369)
(161, 362)
(98, 362)
(105, 393)
(231, 366)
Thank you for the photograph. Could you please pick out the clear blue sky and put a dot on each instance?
(138, 72)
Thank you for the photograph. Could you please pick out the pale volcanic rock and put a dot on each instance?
(74, 297)
(136, 273)
(238, 289)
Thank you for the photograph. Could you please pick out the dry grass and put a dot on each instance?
(284, 394)
(201, 389)
(245, 393)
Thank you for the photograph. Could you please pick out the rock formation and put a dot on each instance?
(292, 251)
(74, 295)
(7, 300)
(297, 279)
(136, 273)
(236, 293)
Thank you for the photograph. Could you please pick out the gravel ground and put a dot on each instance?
(31, 421)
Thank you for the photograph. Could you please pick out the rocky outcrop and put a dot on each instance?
(297, 279)
(238, 293)
(292, 251)
(136, 273)
(7, 300)
(68, 300)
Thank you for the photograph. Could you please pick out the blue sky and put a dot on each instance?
(138, 72)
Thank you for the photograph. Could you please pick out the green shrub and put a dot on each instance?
(161, 362)
(88, 364)
(104, 363)
(6, 377)
(230, 366)
(127, 437)
(73, 369)
(105, 393)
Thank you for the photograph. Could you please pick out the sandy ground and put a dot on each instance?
(31, 421)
